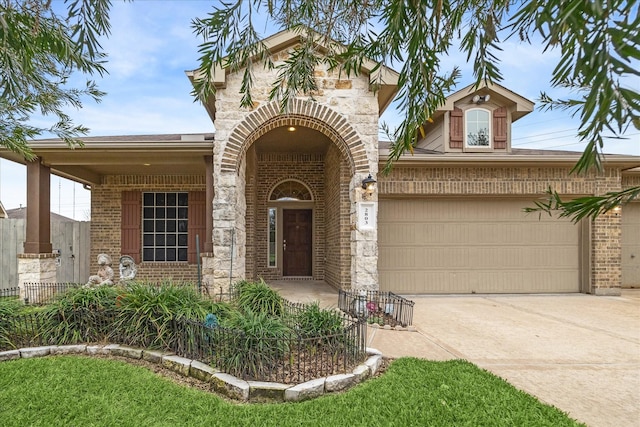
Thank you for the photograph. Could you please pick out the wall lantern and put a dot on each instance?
(479, 99)
(368, 184)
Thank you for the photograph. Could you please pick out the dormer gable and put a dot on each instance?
(476, 120)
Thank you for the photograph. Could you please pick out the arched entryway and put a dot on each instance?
(312, 145)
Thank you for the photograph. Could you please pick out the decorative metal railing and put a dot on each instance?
(382, 308)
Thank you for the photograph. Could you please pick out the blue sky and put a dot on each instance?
(152, 45)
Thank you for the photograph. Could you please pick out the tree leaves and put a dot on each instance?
(598, 43)
(40, 49)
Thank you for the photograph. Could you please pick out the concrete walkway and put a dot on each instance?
(578, 352)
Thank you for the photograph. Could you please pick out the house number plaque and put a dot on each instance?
(367, 216)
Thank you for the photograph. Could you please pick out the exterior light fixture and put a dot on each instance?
(479, 99)
(368, 184)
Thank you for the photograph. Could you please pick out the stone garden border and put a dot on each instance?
(225, 384)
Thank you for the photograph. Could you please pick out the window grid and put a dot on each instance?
(478, 131)
(165, 226)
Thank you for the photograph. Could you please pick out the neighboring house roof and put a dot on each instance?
(21, 213)
(3, 212)
(383, 78)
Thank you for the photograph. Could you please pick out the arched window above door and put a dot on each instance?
(290, 190)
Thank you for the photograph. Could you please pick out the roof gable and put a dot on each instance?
(286, 39)
(521, 106)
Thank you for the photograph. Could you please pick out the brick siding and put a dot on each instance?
(106, 215)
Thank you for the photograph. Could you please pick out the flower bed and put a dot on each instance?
(285, 342)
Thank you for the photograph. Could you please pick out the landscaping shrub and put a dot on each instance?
(146, 312)
(79, 315)
(10, 307)
(258, 297)
(253, 344)
(314, 321)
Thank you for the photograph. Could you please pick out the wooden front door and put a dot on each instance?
(297, 242)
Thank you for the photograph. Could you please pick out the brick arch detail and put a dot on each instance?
(303, 113)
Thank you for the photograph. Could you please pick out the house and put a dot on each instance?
(21, 213)
(294, 196)
(3, 212)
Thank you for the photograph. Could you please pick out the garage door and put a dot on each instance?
(474, 246)
(631, 245)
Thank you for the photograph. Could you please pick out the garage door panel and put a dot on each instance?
(464, 281)
(464, 246)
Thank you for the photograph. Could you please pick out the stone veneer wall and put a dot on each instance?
(337, 244)
(524, 181)
(274, 168)
(106, 210)
(346, 111)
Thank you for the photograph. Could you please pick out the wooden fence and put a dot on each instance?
(70, 238)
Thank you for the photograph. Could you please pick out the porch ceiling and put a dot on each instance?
(131, 155)
(302, 140)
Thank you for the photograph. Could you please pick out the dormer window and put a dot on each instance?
(477, 128)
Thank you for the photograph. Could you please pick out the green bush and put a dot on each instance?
(79, 315)
(10, 307)
(256, 343)
(258, 297)
(314, 321)
(146, 312)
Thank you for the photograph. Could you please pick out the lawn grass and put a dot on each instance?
(83, 391)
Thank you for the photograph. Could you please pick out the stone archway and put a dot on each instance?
(358, 150)
(303, 113)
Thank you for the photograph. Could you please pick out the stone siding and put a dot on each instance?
(346, 111)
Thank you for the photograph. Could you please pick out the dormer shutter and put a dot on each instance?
(456, 128)
(500, 128)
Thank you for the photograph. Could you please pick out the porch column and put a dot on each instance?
(364, 237)
(229, 237)
(38, 209)
(37, 264)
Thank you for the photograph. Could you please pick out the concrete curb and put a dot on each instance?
(228, 385)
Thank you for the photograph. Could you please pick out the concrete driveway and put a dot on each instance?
(578, 352)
